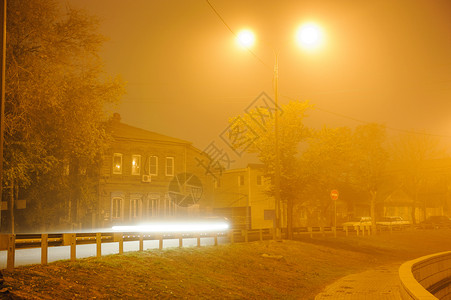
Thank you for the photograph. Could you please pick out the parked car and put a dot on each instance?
(392, 221)
(357, 221)
(436, 222)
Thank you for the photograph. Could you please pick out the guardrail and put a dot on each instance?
(44, 241)
(10, 242)
(427, 277)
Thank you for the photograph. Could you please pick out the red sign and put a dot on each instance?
(334, 194)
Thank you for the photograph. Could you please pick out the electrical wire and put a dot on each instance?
(321, 109)
(368, 122)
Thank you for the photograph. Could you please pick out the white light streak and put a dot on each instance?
(201, 226)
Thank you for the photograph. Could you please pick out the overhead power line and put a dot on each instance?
(321, 109)
(368, 122)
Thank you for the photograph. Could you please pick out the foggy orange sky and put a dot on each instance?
(382, 61)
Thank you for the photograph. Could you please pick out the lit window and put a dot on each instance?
(169, 166)
(153, 165)
(240, 180)
(116, 210)
(117, 163)
(136, 164)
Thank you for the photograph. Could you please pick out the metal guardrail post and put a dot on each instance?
(198, 240)
(246, 235)
(346, 229)
(180, 241)
(310, 229)
(334, 229)
(98, 244)
(141, 241)
(160, 242)
(121, 243)
(73, 247)
(11, 252)
(44, 248)
(216, 239)
(261, 234)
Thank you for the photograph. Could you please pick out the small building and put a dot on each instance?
(242, 196)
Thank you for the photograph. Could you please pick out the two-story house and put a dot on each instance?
(147, 175)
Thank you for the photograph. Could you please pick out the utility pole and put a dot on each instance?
(2, 93)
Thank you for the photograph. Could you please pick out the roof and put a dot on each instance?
(255, 166)
(124, 131)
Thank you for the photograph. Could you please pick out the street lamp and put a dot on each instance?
(308, 36)
(245, 38)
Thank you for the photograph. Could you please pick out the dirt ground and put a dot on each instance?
(257, 270)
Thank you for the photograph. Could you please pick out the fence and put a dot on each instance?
(11, 242)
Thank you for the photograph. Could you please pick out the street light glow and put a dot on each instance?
(309, 36)
(245, 38)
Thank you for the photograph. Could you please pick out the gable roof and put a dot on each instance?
(122, 131)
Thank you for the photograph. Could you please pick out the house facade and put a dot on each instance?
(147, 176)
(241, 195)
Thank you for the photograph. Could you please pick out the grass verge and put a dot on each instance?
(264, 270)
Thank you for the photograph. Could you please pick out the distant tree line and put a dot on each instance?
(363, 162)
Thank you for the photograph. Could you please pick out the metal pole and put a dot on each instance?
(248, 223)
(2, 92)
(335, 213)
(276, 143)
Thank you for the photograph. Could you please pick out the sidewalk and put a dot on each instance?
(378, 283)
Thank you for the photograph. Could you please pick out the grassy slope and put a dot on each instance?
(269, 269)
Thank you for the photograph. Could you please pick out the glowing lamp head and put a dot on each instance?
(245, 38)
(309, 36)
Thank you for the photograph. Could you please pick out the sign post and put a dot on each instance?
(334, 196)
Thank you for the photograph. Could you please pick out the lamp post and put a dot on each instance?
(277, 197)
(308, 36)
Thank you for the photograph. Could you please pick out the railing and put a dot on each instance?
(10, 242)
(44, 241)
(427, 277)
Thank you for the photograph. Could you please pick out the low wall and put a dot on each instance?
(427, 277)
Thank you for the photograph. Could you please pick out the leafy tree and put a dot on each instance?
(255, 133)
(370, 157)
(55, 98)
(413, 154)
(327, 163)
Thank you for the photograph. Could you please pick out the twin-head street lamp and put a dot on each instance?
(309, 37)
